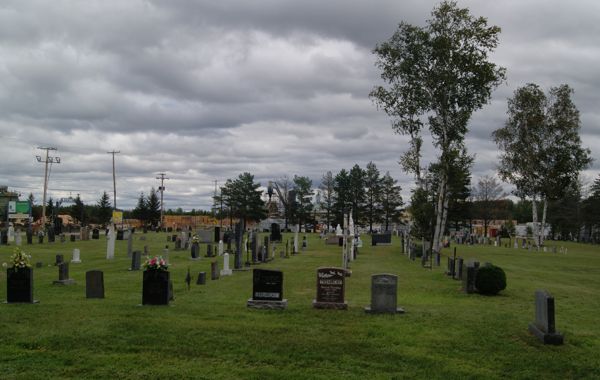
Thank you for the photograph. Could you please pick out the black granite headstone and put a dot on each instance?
(201, 278)
(155, 287)
(95, 234)
(94, 284)
(19, 285)
(267, 285)
(119, 234)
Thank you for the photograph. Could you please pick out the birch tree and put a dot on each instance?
(541, 148)
(437, 76)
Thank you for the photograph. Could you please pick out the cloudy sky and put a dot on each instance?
(205, 90)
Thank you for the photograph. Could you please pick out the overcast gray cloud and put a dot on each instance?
(204, 90)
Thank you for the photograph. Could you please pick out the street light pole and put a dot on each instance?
(114, 178)
(161, 189)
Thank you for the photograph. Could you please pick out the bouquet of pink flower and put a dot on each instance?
(155, 263)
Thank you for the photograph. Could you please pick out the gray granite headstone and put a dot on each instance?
(129, 244)
(94, 284)
(136, 259)
(384, 294)
(469, 276)
(214, 270)
(544, 326)
(458, 273)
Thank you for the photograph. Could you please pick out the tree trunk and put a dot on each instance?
(542, 229)
(438, 214)
(444, 218)
(534, 229)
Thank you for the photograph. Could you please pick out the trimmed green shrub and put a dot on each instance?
(490, 280)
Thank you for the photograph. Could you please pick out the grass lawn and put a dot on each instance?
(208, 332)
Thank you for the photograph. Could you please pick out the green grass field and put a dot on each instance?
(208, 332)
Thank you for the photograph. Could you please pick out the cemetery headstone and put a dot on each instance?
(195, 251)
(226, 271)
(62, 238)
(39, 264)
(468, 277)
(201, 278)
(63, 275)
(458, 272)
(136, 260)
(275, 232)
(330, 289)
(59, 260)
(384, 294)
(267, 290)
(94, 284)
(29, 236)
(95, 234)
(19, 285)
(155, 287)
(110, 244)
(209, 250)
(73, 238)
(217, 237)
(544, 325)
(119, 234)
(205, 236)
(381, 239)
(129, 245)
(18, 238)
(221, 248)
(214, 270)
(76, 256)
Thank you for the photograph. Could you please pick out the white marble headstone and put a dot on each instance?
(76, 256)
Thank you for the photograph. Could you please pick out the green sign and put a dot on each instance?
(18, 207)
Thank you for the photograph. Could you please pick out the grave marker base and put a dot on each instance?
(68, 281)
(267, 305)
(546, 338)
(399, 310)
(330, 305)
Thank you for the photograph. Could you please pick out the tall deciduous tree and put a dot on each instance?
(438, 75)
(391, 200)
(283, 186)
(373, 194)
(485, 195)
(327, 188)
(541, 148)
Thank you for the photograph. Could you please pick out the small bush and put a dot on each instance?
(490, 280)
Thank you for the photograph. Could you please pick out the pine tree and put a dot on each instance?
(153, 208)
(104, 210)
(373, 195)
(141, 210)
(391, 200)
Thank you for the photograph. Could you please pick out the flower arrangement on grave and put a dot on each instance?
(20, 259)
(156, 263)
(195, 239)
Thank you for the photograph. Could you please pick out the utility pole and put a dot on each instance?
(47, 160)
(214, 208)
(114, 178)
(161, 188)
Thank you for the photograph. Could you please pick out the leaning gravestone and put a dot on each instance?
(94, 284)
(384, 294)
(136, 259)
(330, 289)
(544, 325)
(63, 275)
(267, 290)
